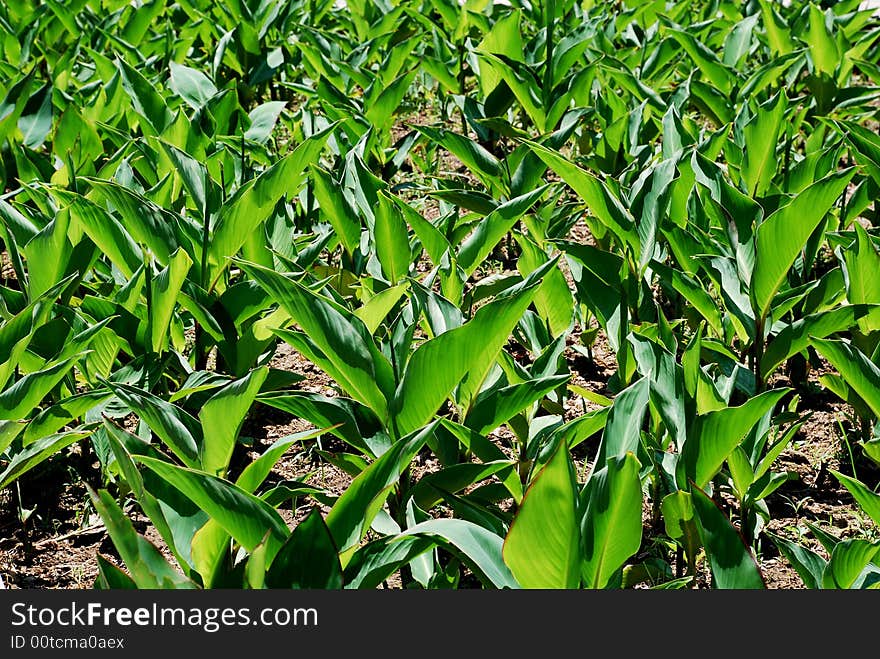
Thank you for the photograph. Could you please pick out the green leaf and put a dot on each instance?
(255, 201)
(542, 547)
(263, 119)
(191, 85)
(37, 452)
(9, 430)
(336, 209)
(761, 136)
(848, 559)
(308, 558)
(622, 429)
(174, 426)
(862, 265)
(60, 414)
(859, 372)
(148, 568)
(481, 549)
(255, 473)
(680, 522)
(195, 178)
(111, 577)
(494, 408)
(440, 364)
(19, 400)
(242, 515)
(353, 513)
(482, 163)
(598, 197)
(375, 309)
(823, 47)
(732, 564)
(781, 237)
(611, 526)
(795, 337)
(343, 339)
(713, 436)
(104, 230)
(392, 240)
(165, 288)
(432, 487)
(808, 564)
(146, 222)
(222, 417)
(145, 100)
(476, 247)
(866, 498)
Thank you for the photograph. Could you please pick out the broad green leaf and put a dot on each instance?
(195, 178)
(165, 291)
(308, 559)
(53, 418)
(798, 335)
(191, 85)
(9, 430)
(359, 367)
(51, 249)
(823, 47)
(494, 408)
(808, 564)
(37, 452)
(335, 207)
(177, 428)
(611, 526)
(859, 372)
(440, 364)
(848, 559)
(706, 60)
(222, 417)
(111, 577)
(761, 136)
(105, 231)
(255, 473)
(862, 265)
(263, 119)
(374, 311)
(553, 301)
(476, 247)
(148, 568)
(732, 564)
(713, 436)
(19, 400)
(392, 240)
(254, 202)
(145, 100)
(432, 487)
(782, 236)
(621, 434)
(867, 499)
(679, 520)
(479, 548)
(146, 222)
(482, 163)
(353, 513)
(242, 515)
(339, 415)
(542, 547)
(596, 195)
